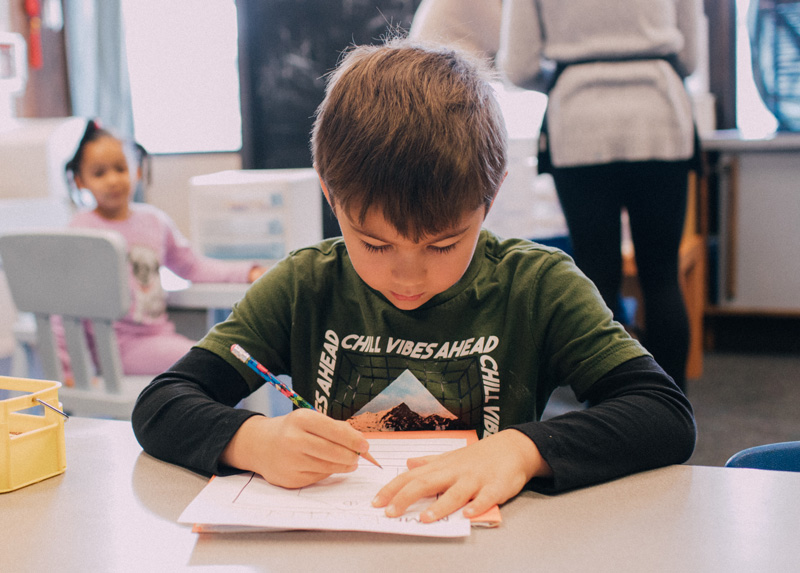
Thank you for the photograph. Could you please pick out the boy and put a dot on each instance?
(418, 319)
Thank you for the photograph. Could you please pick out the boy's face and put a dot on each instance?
(409, 274)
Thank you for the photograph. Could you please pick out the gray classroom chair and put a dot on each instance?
(81, 276)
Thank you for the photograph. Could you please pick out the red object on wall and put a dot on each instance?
(33, 8)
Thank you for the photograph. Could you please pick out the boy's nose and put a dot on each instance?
(408, 270)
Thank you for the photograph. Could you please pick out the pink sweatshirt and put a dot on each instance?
(154, 240)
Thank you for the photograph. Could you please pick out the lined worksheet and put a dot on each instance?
(341, 502)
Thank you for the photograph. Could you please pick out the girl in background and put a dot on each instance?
(147, 339)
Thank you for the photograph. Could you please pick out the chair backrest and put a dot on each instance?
(782, 456)
(80, 275)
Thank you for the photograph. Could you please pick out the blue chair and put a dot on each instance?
(784, 456)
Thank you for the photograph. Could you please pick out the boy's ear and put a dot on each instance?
(496, 191)
(326, 193)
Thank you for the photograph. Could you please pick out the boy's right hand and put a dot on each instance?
(295, 450)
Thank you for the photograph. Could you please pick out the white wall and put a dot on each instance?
(5, 16)
(7, 310)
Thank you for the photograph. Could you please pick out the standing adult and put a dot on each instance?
(619, 134)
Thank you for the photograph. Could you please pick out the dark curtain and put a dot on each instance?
(285, 49)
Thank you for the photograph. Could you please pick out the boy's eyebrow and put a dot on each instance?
(443, 237)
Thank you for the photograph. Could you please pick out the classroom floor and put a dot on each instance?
(744, 400)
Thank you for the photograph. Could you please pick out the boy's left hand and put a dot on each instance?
(476, 477)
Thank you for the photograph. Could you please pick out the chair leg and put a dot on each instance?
(20, 365)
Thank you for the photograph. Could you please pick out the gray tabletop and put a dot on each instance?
(116, 509)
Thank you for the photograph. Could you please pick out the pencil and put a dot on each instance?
(298, 400)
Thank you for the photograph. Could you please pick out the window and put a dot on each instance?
(182, 61)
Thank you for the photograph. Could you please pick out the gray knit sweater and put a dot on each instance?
(602, 111)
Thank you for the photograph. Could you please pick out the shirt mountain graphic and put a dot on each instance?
(404, 405)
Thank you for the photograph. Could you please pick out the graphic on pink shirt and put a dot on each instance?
(149, 302)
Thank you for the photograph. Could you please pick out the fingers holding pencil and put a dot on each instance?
(343, 434)
(294, 450)
(298, 400)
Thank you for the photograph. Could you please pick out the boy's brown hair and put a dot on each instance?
(412, 130)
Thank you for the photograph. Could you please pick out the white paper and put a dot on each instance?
(341, 502)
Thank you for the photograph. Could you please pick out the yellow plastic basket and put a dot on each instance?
(31, 445)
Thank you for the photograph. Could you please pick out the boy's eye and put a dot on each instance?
(438, 250)
(443, 250)
(374, 248)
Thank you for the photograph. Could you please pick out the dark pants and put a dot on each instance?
(654, 193)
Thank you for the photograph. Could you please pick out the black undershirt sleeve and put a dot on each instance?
(185, 417)
(637, 419)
